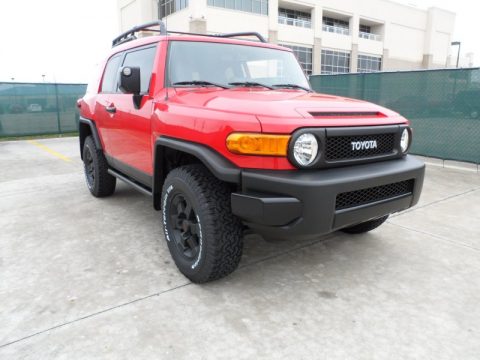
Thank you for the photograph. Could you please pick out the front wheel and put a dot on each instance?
(203, 236)
(365, 226)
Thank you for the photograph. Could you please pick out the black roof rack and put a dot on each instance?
(231, 35)
(130, 34)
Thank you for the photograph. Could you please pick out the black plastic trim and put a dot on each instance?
(138, 186)
(322, 133)
(216, 163)
(320, 136)
(265, 209)
(220, 167)
(129, 171)
(372, 210)
(316, 191)
(410, 134)
(94, 132)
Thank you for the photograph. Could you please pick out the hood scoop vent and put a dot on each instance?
(346, 114)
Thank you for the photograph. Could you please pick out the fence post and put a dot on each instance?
(58, 109)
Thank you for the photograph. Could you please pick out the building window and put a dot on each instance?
(335, 62)
(252, 6)
(304, 56)
(336, 26)
(368, 63)
(365, 32)
(365, 29)
(167, 7)
(294, 17)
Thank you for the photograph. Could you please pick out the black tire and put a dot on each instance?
(203, 236)
(365, 226)
(99, 181)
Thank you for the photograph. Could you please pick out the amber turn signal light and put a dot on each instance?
(258, 144)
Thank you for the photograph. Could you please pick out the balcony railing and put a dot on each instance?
(369, 36)
(294, 22)
(336, 29)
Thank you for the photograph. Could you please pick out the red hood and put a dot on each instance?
(286, 110)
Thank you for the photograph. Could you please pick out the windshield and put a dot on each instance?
(231, 65)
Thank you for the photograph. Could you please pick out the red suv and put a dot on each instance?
(226, 135)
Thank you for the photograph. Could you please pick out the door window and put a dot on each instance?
(144, 59)
(110, 76)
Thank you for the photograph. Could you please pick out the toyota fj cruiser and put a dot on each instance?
(226, 135)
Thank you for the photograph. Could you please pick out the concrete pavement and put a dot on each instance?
(83, 278)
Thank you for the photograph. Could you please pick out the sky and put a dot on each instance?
(65, 39)
(61, 39)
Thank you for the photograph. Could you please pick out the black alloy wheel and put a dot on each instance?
(89, 168)
(99, 181)
(185, 226)
(202, 234)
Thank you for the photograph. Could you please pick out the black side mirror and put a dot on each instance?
(130, 83)
(130, 80)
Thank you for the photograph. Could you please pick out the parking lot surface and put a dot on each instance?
(86, 278)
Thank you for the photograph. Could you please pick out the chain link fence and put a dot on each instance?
(28, 109)
(443, 106)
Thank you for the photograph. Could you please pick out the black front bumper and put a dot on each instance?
(303, 203)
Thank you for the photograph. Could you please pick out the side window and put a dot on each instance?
(144, 60)
(109, 83)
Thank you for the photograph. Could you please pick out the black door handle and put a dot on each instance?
(111, 109)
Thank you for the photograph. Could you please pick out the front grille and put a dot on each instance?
(340, 147)
(365, 196)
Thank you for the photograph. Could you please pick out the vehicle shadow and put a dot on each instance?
(348, 254)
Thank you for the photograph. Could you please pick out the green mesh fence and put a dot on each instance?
(442, 105)
(38, 109)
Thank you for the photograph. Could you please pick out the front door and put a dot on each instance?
(130, 134)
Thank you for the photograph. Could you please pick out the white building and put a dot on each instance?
(328, 36)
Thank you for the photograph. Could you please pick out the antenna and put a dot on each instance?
(162, 3)
(165, 12)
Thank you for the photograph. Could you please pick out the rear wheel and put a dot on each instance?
(99, 181)
(203, 236)
(365, 226)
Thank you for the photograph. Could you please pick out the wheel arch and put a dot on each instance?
(170, 152)
(87, 127)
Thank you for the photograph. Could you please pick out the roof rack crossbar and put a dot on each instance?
(130, 34)
(237, 34)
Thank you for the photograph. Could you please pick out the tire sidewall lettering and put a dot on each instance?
(200, 243)
(89, 186)
(169, 192)
(164, 212)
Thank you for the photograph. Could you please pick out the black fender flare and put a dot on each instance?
(218, 165)
(83, 133)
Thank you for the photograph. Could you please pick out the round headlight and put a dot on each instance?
(305, 149)
(405, 140)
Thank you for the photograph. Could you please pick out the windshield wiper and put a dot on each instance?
(292, 86)
(199, 83)
(249, 83)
